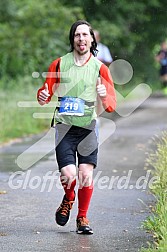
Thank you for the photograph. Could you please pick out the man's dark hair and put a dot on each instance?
(72, 33)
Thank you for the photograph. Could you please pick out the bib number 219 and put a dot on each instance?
(71, 106)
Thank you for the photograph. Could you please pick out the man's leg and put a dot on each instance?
(68, 180)
(85, 191)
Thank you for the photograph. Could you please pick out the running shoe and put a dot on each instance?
(83, 226)
(63, 212)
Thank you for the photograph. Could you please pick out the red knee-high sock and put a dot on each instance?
(69, 189)
(84, 197)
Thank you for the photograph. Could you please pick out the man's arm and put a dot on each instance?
(51, 83)
(108, 99)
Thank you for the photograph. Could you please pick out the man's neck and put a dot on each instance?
(81, 60)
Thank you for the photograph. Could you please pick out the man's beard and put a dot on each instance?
(82, 53)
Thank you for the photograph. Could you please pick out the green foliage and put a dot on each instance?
(34, 35)
(17, 121)
(131, 29)
(157, 222)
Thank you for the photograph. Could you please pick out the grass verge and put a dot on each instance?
(157, 222)
(15, 121)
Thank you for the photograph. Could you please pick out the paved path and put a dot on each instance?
(120, 201)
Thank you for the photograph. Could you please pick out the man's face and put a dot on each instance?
(82, 39)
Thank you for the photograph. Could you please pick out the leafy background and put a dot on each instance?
(34, 33)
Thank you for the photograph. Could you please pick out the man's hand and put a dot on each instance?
(101, 89)
(43, 96)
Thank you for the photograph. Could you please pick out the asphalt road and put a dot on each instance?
(121, 200)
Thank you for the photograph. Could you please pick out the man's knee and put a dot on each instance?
(68, 174)
(85, 174)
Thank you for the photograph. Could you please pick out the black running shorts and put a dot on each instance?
(76, 145)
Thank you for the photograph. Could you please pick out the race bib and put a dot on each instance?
(71, 106)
